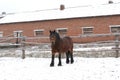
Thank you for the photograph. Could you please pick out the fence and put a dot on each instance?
(23, 41)
(116, 42)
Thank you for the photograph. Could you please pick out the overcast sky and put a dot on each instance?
(12, 6)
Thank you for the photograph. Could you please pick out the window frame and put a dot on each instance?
(42, 30)
(63, 34)
(20, 33)
(113, 26)
(84, 33)
(1, 34)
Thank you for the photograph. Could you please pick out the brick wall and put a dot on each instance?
(100, 24)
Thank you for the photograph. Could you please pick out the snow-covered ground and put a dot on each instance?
(38, 69)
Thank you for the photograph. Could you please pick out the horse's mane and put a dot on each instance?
(57, 35)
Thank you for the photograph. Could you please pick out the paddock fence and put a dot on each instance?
(108, 48)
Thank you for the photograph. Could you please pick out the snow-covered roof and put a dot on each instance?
(69, 12)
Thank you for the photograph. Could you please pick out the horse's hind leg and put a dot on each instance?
(71, 55)
(67, 57)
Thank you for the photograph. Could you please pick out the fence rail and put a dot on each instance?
(21, 41)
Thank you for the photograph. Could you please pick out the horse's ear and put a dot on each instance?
(54, 31)
(50, 31)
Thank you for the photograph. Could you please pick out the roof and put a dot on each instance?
(70, 12)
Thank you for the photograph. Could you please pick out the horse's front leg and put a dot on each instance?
(59, 58)
(52, 60)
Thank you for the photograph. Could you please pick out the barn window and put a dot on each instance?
(115, 28)
(87, 30)
(39, 32)
(18, 33)
(1, 34)
(62, 31)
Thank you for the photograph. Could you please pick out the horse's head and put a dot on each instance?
(54, 36)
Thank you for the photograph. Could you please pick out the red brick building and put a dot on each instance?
(71, 21)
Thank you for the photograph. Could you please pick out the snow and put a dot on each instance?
(38, 69)
(93, 48)
(78, 11)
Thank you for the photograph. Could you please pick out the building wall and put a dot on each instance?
(100, 24)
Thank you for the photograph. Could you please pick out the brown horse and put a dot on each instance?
(61, 45)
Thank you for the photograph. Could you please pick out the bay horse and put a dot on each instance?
(61, 45)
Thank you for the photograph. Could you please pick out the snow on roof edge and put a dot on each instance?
(58, 19)
(68, 13)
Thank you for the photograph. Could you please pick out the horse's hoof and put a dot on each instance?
(51, 65)
(59, 64)
(67, 62)
(72, 61)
